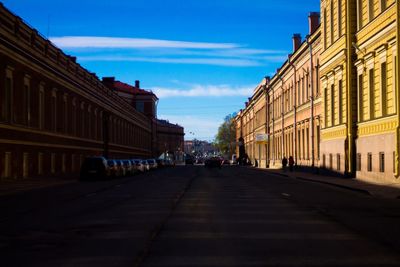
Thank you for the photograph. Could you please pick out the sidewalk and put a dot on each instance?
(374, 189)
(15, 186)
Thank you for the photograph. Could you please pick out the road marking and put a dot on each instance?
(285, 194)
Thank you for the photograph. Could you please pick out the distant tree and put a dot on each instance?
(226, 136)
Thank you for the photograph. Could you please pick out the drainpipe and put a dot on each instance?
(397, 170)
(267, 119)
(312, 101)
(294, 113)
(349, 65)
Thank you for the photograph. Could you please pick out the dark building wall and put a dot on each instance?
(170, 137)
(54, 113)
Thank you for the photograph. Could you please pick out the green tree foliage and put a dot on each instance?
(226, 138)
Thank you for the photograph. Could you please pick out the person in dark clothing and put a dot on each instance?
(291, 163)
(284, 163)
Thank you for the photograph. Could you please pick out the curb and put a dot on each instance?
(336, 185)
(363, 191)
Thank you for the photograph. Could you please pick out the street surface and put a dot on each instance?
(193, 216)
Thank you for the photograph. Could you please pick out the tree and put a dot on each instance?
(226, 137)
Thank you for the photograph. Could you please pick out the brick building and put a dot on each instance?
(54, 113)
(165, 136)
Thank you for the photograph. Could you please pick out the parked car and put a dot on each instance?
(146, 165)
(121, 167)
(129, 169)
(213, 162)
(153, 164)
(139, 165)
(160, 163)
(199, 161)
(189, 160)
(113, 169)
(226, 162)
(94, 168)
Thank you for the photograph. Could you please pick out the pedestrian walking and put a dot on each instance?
(291, 163)
(284, 163)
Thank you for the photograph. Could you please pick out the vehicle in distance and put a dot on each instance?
(213, 162)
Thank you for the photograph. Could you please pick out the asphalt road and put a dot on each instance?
(193, 216)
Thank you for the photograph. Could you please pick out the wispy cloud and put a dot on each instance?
(167, 51)
(113, 42)
(204, 91)
(232, 62)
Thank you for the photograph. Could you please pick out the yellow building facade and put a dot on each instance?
(338, 90)
(335, 102)
(376, 50)
(282, 118)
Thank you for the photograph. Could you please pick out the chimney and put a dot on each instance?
(109, 82)
(296, 41)
(313, 21)
(137, 84)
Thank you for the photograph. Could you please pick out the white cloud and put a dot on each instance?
(228, 62)
(113, 42)
(166, 51)
(204, 91)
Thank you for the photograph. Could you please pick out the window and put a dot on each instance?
(332, 21)
(307, 88)
(331, 161)
(369, 162)
(325, 36)
(53, 107)
(63, 163)
(358, 162)
(53, 163)
(7, 165)
(383, 5)
(359, 14)
(82, 120)
(383, 88)
(371, 94)
(394, 161)
(339, 11)
(317, 79)
(338, 162)
(89, 122)
(140, 106)
(73, 117)
(381, 162)
(326, 106)
(40, 163)
(25, 165)
(370, 10)
(360, 97)
(41, 107)
(73, 159)
(26, 99)
(6, 98)
(65, 110)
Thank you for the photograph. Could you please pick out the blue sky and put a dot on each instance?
(203, 58)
